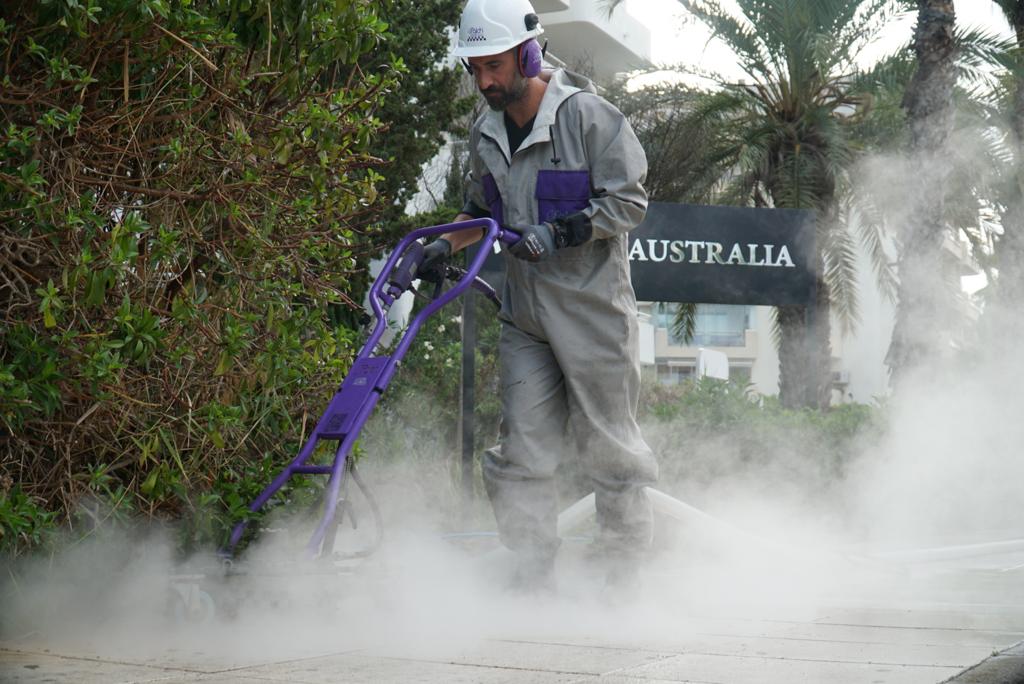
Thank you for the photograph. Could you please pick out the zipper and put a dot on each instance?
(508, 162)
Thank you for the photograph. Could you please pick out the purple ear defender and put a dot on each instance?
(531, 57)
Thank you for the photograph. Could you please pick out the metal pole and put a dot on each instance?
(467, 404)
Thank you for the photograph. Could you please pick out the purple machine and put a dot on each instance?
(369, 375)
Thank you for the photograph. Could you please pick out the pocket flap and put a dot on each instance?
(563, 185)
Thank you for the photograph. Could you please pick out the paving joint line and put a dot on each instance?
(486, 666)
(818, 660)
(173, 668)
(1011, 630)
(105, 661)
(840, 641)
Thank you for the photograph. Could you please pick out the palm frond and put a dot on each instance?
(979, 46)
(1013, 11)
(684, 323)
(890, 74)
(840, 255)
(865, 28)
(744, 38)
(978, 50)
(610, 6)
(871, 233)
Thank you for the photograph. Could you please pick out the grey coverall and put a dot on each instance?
(570, 370)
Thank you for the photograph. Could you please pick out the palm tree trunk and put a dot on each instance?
(805, 351)
(1002, 316)
(924, 314)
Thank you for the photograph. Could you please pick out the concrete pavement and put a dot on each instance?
(838, 648)
(925, 623)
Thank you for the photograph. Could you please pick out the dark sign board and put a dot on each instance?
(715, 255)
(723, 255)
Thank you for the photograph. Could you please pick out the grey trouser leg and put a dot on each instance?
(602, 381)
(519, 473)
(596, 402)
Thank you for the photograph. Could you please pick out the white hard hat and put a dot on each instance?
(490, 27)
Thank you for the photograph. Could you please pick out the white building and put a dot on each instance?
(582, 32)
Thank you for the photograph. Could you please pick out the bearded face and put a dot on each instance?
(500, 97)
(498, 79)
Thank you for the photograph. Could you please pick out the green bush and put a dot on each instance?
(188, 197)
(23, 522)
(710, 429)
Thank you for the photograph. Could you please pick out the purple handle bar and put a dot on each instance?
(379, 297)
(369, 375)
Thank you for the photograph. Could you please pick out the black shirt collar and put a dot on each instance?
(517, 134)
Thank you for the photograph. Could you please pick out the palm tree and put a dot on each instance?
(923, 310)
(784, 137)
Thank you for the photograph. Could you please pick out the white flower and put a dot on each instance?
(429, 346)
(426, 357)
(440, 328)
(457, 320)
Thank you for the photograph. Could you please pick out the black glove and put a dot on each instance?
(435, 261)
(537, 244)
(572, 230)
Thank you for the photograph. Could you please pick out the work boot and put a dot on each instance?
(622, 581)
(533, 575)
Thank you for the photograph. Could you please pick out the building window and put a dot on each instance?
(674, 375)
(717, 325)
(678, 374)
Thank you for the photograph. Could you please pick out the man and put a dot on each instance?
(556, 162)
